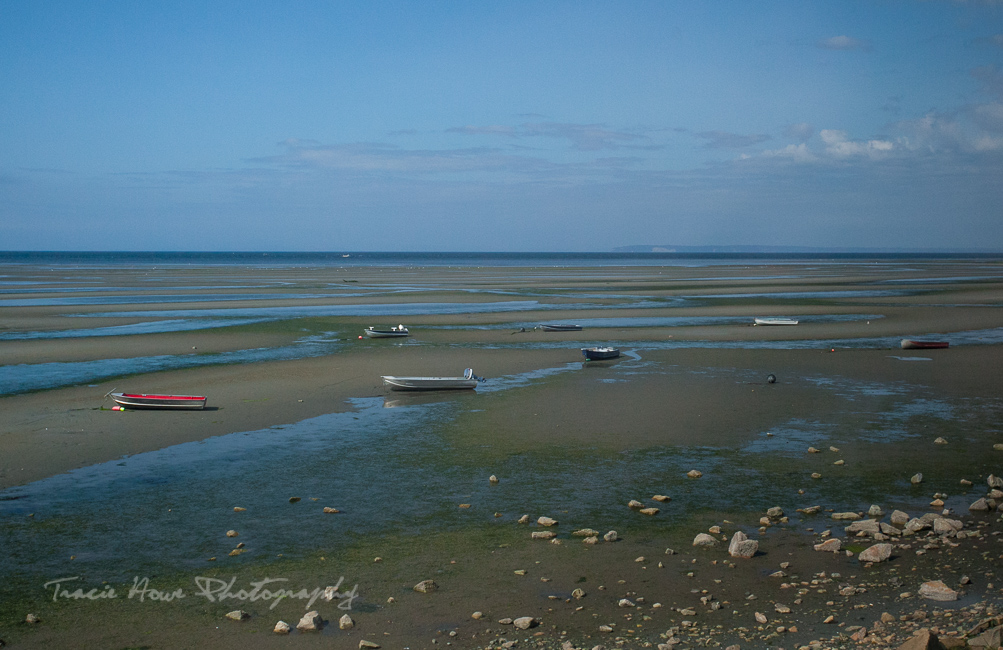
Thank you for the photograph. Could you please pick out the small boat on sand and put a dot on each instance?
(560, 328)
(394, 332)
(910, 344)
(775, 321)
(468, 381)
(147, 401)
(600, 354)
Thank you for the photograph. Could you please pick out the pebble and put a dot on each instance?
(426, 586)
(331, 511)
(237, 615)
(649, 511)
(493, 479)
(232, 533)
(363, 643)
(524, 622)
(546, 521)
(661, 498)
(311, 622)
(346, 622)
(694, 473)
(916, 479)
(281, 628)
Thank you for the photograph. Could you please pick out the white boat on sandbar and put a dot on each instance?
(468, 381)
(394, 332)
(158, 401)
(775, 321)
(556, 327)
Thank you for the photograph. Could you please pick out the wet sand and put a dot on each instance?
(718, 397)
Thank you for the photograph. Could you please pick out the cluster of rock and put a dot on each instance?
(993, 499)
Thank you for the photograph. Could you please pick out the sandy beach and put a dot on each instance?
(568, 440)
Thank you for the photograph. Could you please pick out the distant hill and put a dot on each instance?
(669, 248)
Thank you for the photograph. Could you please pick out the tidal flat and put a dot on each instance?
(298, 420)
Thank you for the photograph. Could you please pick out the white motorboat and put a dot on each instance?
(468, 381)
(394, 332)
(776, 321)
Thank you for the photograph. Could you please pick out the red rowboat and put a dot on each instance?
(909, 344)
(144, 401)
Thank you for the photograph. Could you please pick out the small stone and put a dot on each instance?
(281, 628)
(661, 498)
(611, 536)
(524, 519)
(940, 441)
(237, 615)
(625, 602)
(493, 479)
(829, 619)
(331, 511)
(311, 622)
(585, 532)
(464, 505)
(648, 511)
(346, 622)
(782, 609)
(32, 619)
(426, 587)
(995, 482)
(232, 533)
(776, 512)
(761, 618)
(899, 518)
(605, 628)
(546, 521)
(816, 475)
(477, 615)
(363, 643)
(239, 509)
(812, 450)
(505, 621)
(742, 546)
(578, 593)
(590, 540)
(875, 511)
(294, 499)
(845, 516)
(235, 552)
(840, 462)
(543, 534)
(520, 572)
(634, 504)
(524, 622)
(916, 478)
(694, 473)
(832, 545)
(966, 482)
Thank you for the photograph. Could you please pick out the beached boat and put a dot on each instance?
(599, 354)
(467, 381)
(910, 344)
(560, 328)
(393, 332)
(145, 401)
(776, 321)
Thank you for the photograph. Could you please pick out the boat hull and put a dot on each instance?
(776, 321)
(386, 334)
(429, 383)
(909, 344)
(170, 402)
(561, 328)
(600, 354)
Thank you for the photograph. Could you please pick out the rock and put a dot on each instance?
(923, 640)
(998, 446)
(346, 622)
(237, 615)
(524, 622)
(845, 516)
(232, 533)
(833, 545)
(781, 608)
(294, 499)
(32, 619)
(776, 512)
(995, 482)
(281, 628)
(966, 482)
(939, 441)
(524, 519)
(426, 587)
(899, 518)
(543, 534)
(875, 511)
(742, 546)
(937, 503)
(703, 539)
(866, 526)
(661, 498)
(590, 540)
(505, 621)
(937, 590)
(331, 511)
(917, 478)
(578, 593)
(979, 506)
(493, 480)
(611, 536)
(605, 628)
(811, 510)
(464, 505)
(634, 505)
(477, 615)
(239, 509)
(876, 553)
(694, 473)
(585, 532)
(546, 521)
(945, 525)
(816, 475)
(649, 511)
(311, 622)
(363, 643)
(812, 450)
(761, 618)
(625, 602)
(840, 462)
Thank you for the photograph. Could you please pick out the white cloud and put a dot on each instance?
(837, 144)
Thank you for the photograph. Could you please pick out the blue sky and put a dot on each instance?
(505, 126)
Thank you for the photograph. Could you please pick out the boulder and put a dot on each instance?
(923, 640)
(979, 506)
(867, 526)
(876, 553)
(831, 545)
(995, 481)
(703, 539)
(742, 546)
(937, 590)
(899, 518)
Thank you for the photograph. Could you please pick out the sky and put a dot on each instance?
(500, 126)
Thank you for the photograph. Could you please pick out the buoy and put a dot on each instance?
(771, 378)
(360, 337)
